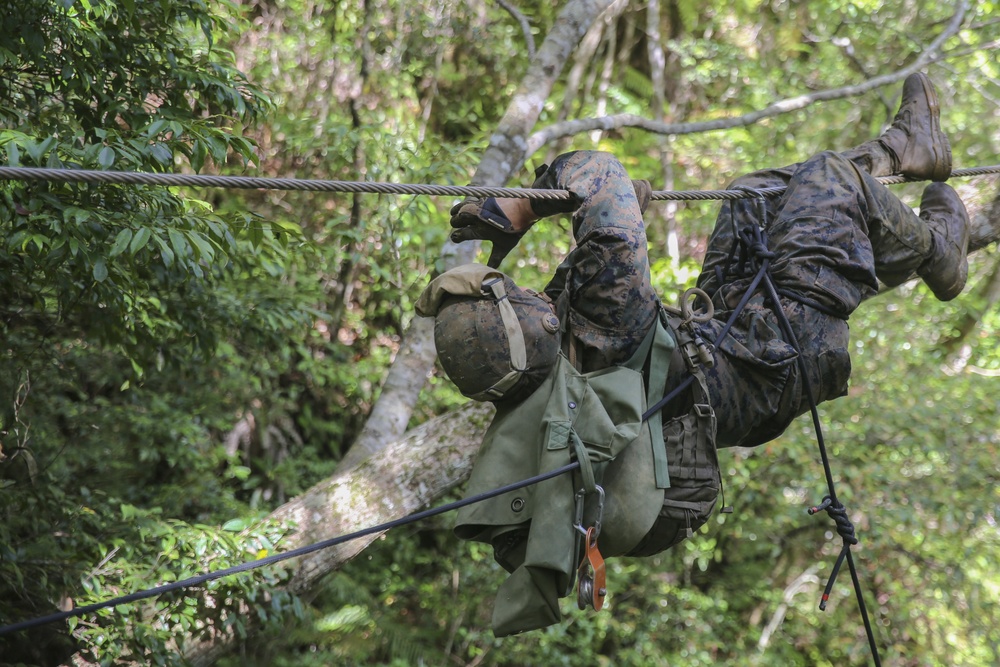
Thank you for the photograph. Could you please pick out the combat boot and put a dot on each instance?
(947, 268)
(914, 144)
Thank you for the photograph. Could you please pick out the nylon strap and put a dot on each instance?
(586, 468)
(515, 341)
(657, 346)
(659, 364)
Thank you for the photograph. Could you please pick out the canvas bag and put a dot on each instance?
(599, 414)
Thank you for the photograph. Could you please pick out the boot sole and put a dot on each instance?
(942, 147)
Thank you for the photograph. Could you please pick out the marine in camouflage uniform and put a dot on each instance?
(834, 233)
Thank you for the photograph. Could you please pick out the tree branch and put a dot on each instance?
(929, 55)
(405, 477)
(525, 26)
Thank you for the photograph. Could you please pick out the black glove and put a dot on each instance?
(482, 219)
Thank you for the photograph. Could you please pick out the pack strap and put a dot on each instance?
(659, 365)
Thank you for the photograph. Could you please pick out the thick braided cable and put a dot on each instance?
(315, 185)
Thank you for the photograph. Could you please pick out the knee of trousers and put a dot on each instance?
(829, 167)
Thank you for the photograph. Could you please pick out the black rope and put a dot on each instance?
(755, 256)
(277, 558)
(834, 508)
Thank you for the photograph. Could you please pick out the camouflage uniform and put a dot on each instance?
(833, 233)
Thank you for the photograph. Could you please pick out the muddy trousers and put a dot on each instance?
(834, 233)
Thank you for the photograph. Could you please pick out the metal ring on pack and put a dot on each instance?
(687, 311)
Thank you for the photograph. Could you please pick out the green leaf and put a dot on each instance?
(121, 242)
(166, 254)
(235, 525)
(218, 149)
(198, 154)
(75, 214)
(139, 240)
(100, 270)
(106, 158)
(203, 247)
(162, 154)
(256, 233)
(178, 243)
(155, 127)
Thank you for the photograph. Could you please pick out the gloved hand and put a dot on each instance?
(643, 193)
(482, 219)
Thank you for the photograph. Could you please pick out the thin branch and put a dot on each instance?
(525, 26)
(929, 55)
(961, 53)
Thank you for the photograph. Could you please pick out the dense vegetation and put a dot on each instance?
(175, 363)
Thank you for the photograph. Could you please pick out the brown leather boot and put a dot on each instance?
(947, 268)
(914, 144)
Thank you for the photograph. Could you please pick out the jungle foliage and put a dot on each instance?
(174, 363)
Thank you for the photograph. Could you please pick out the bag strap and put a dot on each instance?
(493, 287)
(662, 344)
(697, 356)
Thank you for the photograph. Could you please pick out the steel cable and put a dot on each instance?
(64, 175)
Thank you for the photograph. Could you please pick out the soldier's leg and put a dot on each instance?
(835, 228)
(838, 228)
(720, 257)
(914, 146)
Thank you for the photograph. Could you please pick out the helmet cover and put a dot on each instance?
(495, 340)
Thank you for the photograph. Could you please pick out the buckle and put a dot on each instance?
(487, 288)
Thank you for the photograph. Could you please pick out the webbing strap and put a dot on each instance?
(515, 342)
(657, 347)
(659, 365)
(586, 467)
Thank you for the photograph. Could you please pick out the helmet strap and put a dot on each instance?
(515, 341)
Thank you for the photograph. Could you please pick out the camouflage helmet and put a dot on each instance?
(495, 340)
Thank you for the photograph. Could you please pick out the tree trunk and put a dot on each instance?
(405, 477)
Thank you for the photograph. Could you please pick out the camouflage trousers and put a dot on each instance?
(834, 233)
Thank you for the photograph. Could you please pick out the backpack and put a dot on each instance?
(658, 483)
